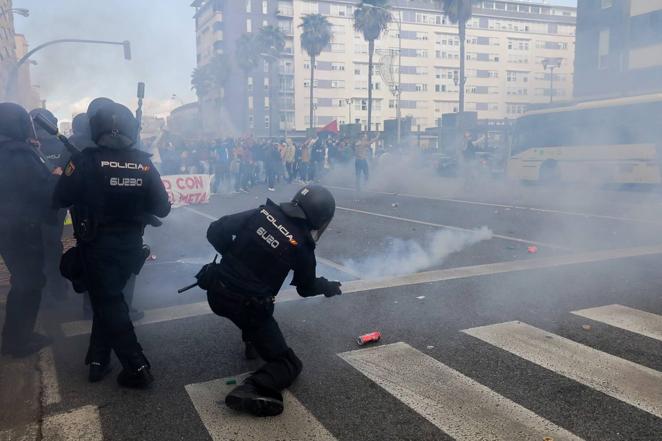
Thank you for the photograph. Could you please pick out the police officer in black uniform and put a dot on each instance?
(259, 248)
(57, 157)
(112, 188)
(82, 137)
(27, 186)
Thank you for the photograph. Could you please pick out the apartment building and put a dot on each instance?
(7, 43)
(619, 48)
(507, 42)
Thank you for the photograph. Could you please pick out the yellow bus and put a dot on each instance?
(607, 141)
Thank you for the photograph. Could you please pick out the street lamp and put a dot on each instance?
(551, 64)
(398, 114)
(13, 74)
(18, 11)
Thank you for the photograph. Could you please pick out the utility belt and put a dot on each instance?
(225, 292)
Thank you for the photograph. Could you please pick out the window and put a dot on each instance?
(266, 83)
(251, 121)
(603, 49)
(250, 84)
(248, 6)
(338, 66)
(250, 103)
(337, 84)
(265, 7)
(421, 88)
(266, 103)
(267, 122)
(249, 25)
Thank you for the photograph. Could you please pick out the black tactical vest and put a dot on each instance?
(264, 251)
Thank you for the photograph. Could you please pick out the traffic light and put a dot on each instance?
(127, 49)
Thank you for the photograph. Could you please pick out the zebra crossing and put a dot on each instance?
(459, 406)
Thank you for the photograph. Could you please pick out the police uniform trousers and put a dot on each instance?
(56, 285)
(254, 316)
(22, 250)
(109, 261)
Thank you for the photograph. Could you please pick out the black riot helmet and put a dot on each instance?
(81, 125)
(96, 104)
(114, 126)
(315, 204)
(15, 122)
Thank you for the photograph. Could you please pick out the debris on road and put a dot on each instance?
(587, 327)
(152, 257)
(430, 347)
(548, 438)
(369, 338)
(532, 249)
(420, 297)
(231, 381)
(394, 205)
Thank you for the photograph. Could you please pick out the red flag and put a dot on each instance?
(332, 127)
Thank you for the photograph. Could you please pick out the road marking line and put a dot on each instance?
(83, 423)
(629, 382)
(512, 207)
(633, 320)
(461, 407)
(449, 227)
(327, 262)
(49, 380)
(159, 315)
(296, 423)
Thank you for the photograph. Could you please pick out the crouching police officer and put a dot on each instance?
(259, 247)
(112, 189)
(27, 186)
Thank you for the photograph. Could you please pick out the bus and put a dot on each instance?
(617, 141)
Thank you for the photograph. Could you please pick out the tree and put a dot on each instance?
(247, 55)
(315, 37)
(460, 12)
(212, 76)
(371, 18)
(270, 42)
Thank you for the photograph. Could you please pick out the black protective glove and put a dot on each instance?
(208, 275)
(329, 289)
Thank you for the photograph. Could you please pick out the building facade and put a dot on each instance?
(507, 42)
(619, 48)
(7, 44)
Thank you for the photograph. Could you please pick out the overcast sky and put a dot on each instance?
(162, 34)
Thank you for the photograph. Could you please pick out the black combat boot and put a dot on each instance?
(257, 401)
(98, 371)
(138, 375)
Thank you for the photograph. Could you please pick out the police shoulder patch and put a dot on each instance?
(70, 169)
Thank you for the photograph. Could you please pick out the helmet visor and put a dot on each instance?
(317, 234)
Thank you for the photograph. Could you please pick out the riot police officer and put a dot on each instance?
(259, 247)
(111, 189)
(27, 186)
(57, 157)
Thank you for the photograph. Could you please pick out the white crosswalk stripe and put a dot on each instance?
(633, 320)
(296, 423)
(458, 405)
(632, 383)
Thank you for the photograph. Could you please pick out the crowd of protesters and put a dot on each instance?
(239, 164)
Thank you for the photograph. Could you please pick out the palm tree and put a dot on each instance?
(315, 37)
(247, 54)
(201, 81)
(460, 12)
(371, 18)
(270, 41)
(212, 76)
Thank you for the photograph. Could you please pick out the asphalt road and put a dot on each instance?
(489, 342)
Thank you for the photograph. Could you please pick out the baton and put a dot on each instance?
(187, 288)
(51, 129)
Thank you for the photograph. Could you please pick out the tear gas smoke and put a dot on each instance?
(409, 256)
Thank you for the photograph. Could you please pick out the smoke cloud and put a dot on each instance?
(404, 257)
